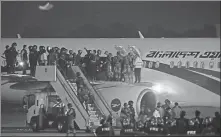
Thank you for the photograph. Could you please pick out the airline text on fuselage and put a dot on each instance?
(183, 54)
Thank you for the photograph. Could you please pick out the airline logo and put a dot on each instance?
(115, 104)
(183, 54)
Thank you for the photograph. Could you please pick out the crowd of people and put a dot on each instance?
(167, 119)
(118, 68)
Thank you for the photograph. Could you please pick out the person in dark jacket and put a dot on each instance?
(81, 91)
(24, 58)
(6, 53)
(93, 66)
(216, 123)
(12, 57)
(71, 116)
(197, 122)
(33, 59)
(78, 59)
(182, 123)
(86, 61)
(63, 65)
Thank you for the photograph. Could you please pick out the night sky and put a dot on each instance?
(70, 15)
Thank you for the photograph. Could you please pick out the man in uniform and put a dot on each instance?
(125, 115)
(117, 66)
(108, 63)
(82, 92)
(71, 115)
(80, 87)
(105, 129)
(132, 112)
(127, 68)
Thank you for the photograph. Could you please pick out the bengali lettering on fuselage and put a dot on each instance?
(183, 54)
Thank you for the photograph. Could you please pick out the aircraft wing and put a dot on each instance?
(30, 85)
(16, 78)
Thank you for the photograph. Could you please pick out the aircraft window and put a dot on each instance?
(171, 64)
(187, 64)
(195, 64)
(202, 65)
(31, 100)
(211, 64)
(157, 64)
(218, 64)
(179, 64)
(150, 65)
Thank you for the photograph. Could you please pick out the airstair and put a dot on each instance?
(67, 91)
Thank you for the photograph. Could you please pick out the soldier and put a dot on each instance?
(105, 129)
(127, 68)
(71, 115)
(142, 119)
(125, 113)
(132, 112)
(80, 87)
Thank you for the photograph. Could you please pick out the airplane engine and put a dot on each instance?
(115, 97)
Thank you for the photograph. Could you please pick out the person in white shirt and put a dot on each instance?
(176, 110)
(156, 113)
(160, 109)
(138, 63)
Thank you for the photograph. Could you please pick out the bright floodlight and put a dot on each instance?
(158, 88)
(21, 64)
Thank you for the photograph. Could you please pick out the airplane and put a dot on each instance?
(183, 70)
